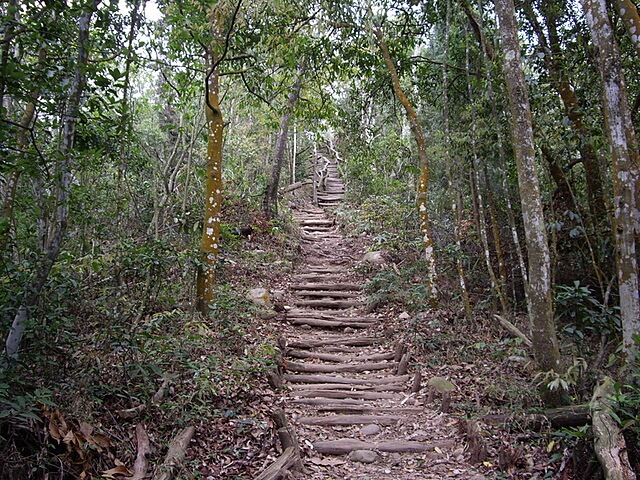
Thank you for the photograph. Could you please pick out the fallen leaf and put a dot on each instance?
(69, 438)
(57, 426)
(86, 429)
(119, 470)
(102, 440)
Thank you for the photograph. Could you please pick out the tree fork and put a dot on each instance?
(210, 241)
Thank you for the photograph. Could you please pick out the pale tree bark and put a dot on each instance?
(631, 19)
(625, 162)
(52, 249)
(125, 104)
(210, 241)
(423, 180)
(540, 305)
(270, 203)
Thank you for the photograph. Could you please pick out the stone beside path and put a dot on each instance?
(355, 401)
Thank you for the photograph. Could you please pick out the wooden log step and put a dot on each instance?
(345, 446)
(297, 387)
(321, 268)
(323, 315)
(317, 322)
(320, 276)
(329, 303)
(330, 195)
(317, 221)
(302, 313)
(327, 401)
(311, 210)
(335, 420)
(391, 387)
(329, 198)
(331, 357)
(364, 409)
(319, 228)
(346, 380)
(340, 349)
(346, 394)
(327, 286)
(327, 293)
(341, 368)
(314, 342)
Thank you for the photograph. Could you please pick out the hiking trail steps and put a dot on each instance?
(351, 395)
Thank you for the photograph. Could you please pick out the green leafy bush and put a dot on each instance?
(582, 314)
(405, 288)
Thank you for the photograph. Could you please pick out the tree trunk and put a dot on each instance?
(540, 306)
(210, 241)
(488, 59)
(625, 162)
(270, 204)
(631, 19)
(423, 180)
(59, 228)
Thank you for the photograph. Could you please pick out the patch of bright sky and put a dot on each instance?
(151, 11)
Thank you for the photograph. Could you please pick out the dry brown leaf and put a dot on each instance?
(86, 429)
(102, 440)
(57, 426)
(70, 438)
(118, 470)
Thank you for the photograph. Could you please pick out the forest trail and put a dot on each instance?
(356, 403)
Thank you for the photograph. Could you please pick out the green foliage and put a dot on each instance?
(565, 380)
(20, 406)
(582, 314)
(404, 288)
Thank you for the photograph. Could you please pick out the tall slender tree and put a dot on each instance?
(222, 20)
(625, 163)
(270, 204)
(423, 180)
(540, 305)
(56, 236)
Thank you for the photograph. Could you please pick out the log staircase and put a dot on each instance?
(352, 396)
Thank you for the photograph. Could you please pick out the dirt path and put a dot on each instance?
(357, 405)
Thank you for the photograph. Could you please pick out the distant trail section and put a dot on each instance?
(357, 407)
